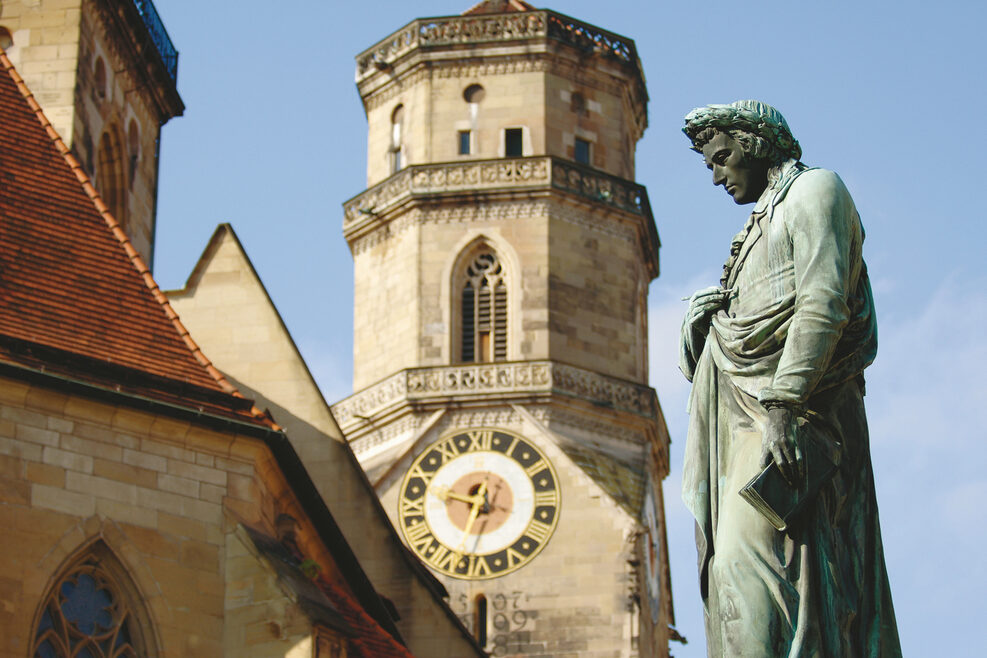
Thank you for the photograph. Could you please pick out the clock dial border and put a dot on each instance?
(458, 561)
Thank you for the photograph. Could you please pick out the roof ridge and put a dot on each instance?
(132, 254)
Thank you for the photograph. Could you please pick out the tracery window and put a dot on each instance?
(87, 614)
(483, 309)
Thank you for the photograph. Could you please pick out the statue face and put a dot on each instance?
(742, 178)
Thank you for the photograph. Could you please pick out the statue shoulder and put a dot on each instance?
(817, 184)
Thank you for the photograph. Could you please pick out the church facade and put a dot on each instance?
(507, 497)
(149, 506)
(502, 255)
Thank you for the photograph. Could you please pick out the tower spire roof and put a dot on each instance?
(498, 7)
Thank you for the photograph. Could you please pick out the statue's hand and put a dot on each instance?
(779, 444)
(703, 304)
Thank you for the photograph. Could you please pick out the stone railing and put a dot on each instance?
(488, 28)
(504, 173)
(525, 377)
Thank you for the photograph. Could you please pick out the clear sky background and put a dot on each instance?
(891, 95)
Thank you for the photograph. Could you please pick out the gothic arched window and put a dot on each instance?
(111, 177)
(90, 612)
(397, 145)
(483, 309)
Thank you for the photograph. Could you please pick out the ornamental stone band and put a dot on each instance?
(495, 379)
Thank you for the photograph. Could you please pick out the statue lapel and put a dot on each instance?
(752, 237)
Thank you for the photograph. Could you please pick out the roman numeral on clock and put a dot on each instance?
(418, 472)
(538, 531)
(448, 450)
(550, 497)
(536, 468)
(513, 558)
(414, 507)
(443, 558)
(478, 567)
(480, 440)
(418, 535)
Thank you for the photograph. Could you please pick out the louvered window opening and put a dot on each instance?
(484, 310)
(85, 615)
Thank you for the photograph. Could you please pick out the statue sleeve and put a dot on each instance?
(691, 345)
(824, 228)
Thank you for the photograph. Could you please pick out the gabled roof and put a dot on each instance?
(76, 299)
(235, 320)
(498, 7)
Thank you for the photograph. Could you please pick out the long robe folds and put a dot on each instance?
(799, 329)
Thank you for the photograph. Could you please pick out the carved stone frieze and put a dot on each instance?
(499, 417)
(471, 213)
(421, 385)
(501, 66)
(494, 28)
(485, 212)
(386, 92)
(374, 436)
(616, 229)
(583, 423)
(365, 210)
(385, 232)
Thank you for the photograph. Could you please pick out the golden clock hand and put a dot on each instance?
(474, 512)
(445, 493)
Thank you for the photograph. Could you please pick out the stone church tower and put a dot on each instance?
(502, 255)
(105, 72)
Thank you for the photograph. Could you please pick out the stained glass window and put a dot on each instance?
(86, 616)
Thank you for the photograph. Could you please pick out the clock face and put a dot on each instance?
(652, 554)
(479, 504)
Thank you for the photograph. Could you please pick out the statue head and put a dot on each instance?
(744, 145)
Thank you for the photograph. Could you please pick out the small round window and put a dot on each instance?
(474, 94)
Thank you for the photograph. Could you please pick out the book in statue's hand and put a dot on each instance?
(774, 497)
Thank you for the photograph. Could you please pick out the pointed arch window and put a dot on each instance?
(111, 178)
(483, 309)
(90, 611)
(397, 145)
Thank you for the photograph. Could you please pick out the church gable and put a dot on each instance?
(225, 304)
(226, 307)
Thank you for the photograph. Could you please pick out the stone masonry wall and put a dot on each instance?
(163, 494)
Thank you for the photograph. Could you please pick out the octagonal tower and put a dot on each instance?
(502, 256)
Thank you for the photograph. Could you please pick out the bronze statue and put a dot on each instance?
(776, 355)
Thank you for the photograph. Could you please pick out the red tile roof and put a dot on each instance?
(75, 296)
(370, 641)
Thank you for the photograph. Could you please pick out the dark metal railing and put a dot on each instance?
(159, 36)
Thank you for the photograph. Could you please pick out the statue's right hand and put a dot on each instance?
(703, 304)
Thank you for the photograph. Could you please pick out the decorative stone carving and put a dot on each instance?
(511, 173)
(519, 26)
(375, 437)
(500, 417)
(419, 385)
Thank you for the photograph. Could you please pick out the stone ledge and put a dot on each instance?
(496, 380)
(368, 211)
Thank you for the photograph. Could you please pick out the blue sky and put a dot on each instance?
(888, 94)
